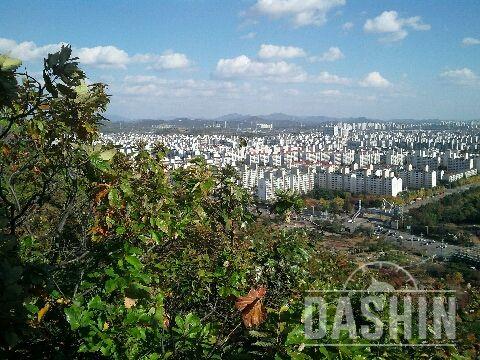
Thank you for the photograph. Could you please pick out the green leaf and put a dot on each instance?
(49, 85)
(73, 314)
(65, 90)
(133, 260)
(110, 285)
(107, 155)
(96, 303)
(81, 89)
(40, 125)
(263, 344)
(98, 163)
(126, 189)
(113, 197)
(32, 308)
(296, 336)
(258, 334)
(325, 352)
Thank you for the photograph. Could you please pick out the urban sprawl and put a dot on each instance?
(358, 157)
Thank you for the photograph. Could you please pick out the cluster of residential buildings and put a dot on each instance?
(370, 158)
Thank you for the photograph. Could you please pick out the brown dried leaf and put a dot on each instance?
(253, 311)
(6, 150)
(102, 193)
(166, 321)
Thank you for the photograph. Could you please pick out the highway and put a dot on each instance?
(418, 244)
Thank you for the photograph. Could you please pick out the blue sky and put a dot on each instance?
(204, 58)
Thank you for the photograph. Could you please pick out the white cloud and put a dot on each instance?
(103, 56)
(347, 26)
(98, 56)
(463, 76)
(330, 92)
(27, 50)
(169, 60)
(268, 51)
(470, 41)
(143, 89)
(327, 78)
(332, 54)
(394, 27)
(146, 86)
(138, 79)
(250, 35)
(172, 60)
(375, 79)
(244, 67)
(300, 12)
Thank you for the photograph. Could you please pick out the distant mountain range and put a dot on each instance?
(244, 118)
(235, 120)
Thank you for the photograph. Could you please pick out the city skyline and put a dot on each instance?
(333, 58)
(251, 179)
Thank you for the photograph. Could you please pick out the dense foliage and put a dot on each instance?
(337, 201)
(286, 203)
(448, 217)
(104, 255)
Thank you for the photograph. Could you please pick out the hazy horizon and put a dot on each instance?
(338, 58)
(119, 117)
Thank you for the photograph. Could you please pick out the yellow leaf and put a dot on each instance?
(129, 302)
(105, 326)
(42, 312)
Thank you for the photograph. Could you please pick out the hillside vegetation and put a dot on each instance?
(450, 216)
(108, 256)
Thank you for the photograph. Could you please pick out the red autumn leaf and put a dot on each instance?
(253, 311)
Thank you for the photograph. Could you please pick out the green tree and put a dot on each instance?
(286, 203)
(338, 204)
(47, 130)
